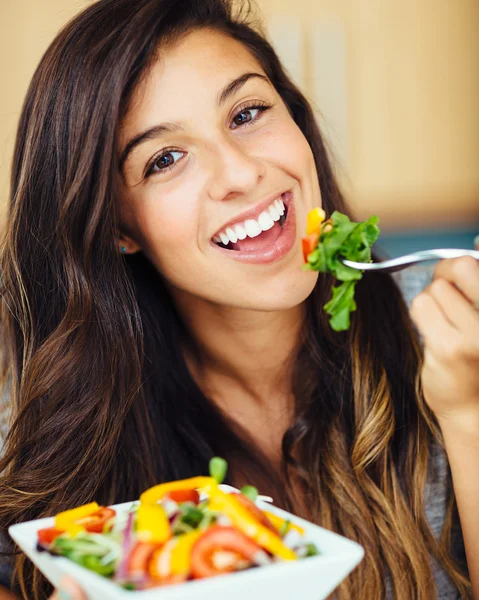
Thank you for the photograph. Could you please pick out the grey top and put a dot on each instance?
(436, 492)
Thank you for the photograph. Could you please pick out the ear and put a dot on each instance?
(127, 245)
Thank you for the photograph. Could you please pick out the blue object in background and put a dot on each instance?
(398, 243)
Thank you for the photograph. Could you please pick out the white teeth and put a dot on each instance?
(240, 232)
(265, 221)
(274, 213)
(232, 235)
(252, 228)
(279, 205)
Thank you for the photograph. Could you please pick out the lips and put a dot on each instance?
(269, 237)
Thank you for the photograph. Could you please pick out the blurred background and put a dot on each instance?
(395, 84)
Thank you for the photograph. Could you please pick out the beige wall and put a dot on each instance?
(396, 83)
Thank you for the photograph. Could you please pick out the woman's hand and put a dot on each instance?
(447, 316)
(68, 590)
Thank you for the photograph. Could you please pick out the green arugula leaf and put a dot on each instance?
(348, 240)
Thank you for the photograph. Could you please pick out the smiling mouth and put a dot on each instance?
(253, 235)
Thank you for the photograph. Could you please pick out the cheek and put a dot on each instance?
(165, 222)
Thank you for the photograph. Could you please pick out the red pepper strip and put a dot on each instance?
(221, 539)
(183, 496)
(309, 244)
(256, 512)
(47, 535)
(96, 522)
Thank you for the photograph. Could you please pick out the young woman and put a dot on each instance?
(138, 346)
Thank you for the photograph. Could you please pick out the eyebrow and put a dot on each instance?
(158, 130)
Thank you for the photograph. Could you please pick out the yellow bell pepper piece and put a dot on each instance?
(242, 518)
(152, 524)
(181, 553)
(315, 218)
(278, 522)
(157, 492)
(67, 520)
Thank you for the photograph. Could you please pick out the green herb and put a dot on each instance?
(250, 492)
(191, 516)
(312, 550)
(218, 468)
(351, 241)
(284, 528)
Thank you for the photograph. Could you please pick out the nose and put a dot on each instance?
(235, 171)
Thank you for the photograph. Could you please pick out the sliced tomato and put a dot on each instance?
(309, 244)
(47, 535)
(139, 558)
(95, 523)
(221, 540)
(184, 496)
(256, 512)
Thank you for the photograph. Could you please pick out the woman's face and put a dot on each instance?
(218, 178)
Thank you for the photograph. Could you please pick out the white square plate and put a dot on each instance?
(312, 578)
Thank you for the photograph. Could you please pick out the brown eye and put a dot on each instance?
(245, 116)
(165, 161)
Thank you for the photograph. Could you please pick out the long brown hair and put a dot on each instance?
(102, 400)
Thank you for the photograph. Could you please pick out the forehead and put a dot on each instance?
(188, 73)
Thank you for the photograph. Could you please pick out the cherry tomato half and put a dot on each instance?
(219, 539)
(95, 523)
(139, 558)
(47, 535)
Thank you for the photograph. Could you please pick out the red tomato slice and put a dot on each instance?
(217, 539)
(309, 244)
(256, 512)
(47, 535)
(95, 523)
(140, 557)
(184, 496)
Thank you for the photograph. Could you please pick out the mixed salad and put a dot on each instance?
(328, 240)
(178, 531)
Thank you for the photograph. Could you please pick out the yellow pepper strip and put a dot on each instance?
(278, 522)
(152, 524)
(181, 553)
(67, 520)
(242, 518)
(157, 492)
(315, 218)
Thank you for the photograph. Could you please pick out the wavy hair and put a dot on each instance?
(103, 404)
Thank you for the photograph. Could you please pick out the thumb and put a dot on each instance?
(68, 589)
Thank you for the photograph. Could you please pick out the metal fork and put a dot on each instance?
(402, 262)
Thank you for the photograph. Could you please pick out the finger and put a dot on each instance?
(68, 589)
(457, 310)
(463, 273)
(431, 322)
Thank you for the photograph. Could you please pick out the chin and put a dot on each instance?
(281, 295)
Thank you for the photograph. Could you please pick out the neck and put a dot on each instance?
(249, 351)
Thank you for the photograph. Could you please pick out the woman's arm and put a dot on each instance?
(462, 447)
(447, 315)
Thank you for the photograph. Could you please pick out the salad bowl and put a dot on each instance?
(313, 578)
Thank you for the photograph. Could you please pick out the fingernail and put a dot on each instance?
(476, 241)
(65, 595)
